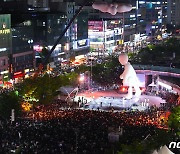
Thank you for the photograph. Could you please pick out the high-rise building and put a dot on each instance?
(153, 14)
(34, 27)
(39, 5)
(75, 41)
(164, 12)
(173, 13)
(5, 45)
(128, 24)
(105, 34)
(22, 43)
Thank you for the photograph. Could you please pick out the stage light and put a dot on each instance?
(123, 89)
(143, 90)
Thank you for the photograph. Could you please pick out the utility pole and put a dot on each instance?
(137, 9)
(104, 31)
(123, 29)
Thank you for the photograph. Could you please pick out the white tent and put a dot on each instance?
(152, 85)
(67, 89)
(165, 150)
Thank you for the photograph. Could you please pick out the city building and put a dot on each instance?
(105, 35)
(173, 12)
(126, 26)
(75, 41)
(38, 3)
(153, 14)
(17, 39)
(35, 27)
(5, 45)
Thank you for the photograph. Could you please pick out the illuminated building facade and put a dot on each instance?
(154, 14)
(5, 45)
(105, 34)
(173, 12)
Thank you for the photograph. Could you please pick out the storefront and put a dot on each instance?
(18, 76)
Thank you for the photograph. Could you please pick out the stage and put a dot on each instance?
(104, 100)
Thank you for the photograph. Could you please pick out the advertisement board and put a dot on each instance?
(95, 26)
(80, 43)
(5, 34)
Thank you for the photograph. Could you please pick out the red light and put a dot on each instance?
(18, 75)
(123, 89)
(143, 89)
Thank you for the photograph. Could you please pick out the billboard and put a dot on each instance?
(5, 34)
(81, 44)
(96, 26)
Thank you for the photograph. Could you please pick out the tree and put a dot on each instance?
(9, 101)
(43, 54)
(160, 53)
(157, 139)
(174, 120)
(82, 69)
(44, 89)
(105, 73)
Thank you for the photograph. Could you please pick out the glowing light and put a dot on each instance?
(81, 78)
(26, 106)
(3, 49)
(123, 89)
(143, 90)
(66, 47)
(37, 48)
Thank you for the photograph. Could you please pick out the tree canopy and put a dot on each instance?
(160, 54)
(9, 101)
(174, 120)
(44, 89)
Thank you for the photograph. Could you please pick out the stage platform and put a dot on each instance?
(107, 99)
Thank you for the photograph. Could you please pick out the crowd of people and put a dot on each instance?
(55, 128)
(51, 129)
(5, 90)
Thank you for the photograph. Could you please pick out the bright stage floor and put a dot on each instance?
(105, 99)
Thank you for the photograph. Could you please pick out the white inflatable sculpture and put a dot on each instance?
(129, 77)
(112, 8)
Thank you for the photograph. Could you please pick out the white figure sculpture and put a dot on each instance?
(112, 8)
(129, 77)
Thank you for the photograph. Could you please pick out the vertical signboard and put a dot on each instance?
(5, 35)
(6, 42)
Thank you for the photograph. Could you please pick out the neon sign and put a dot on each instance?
(81, 42)
(5, 31)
